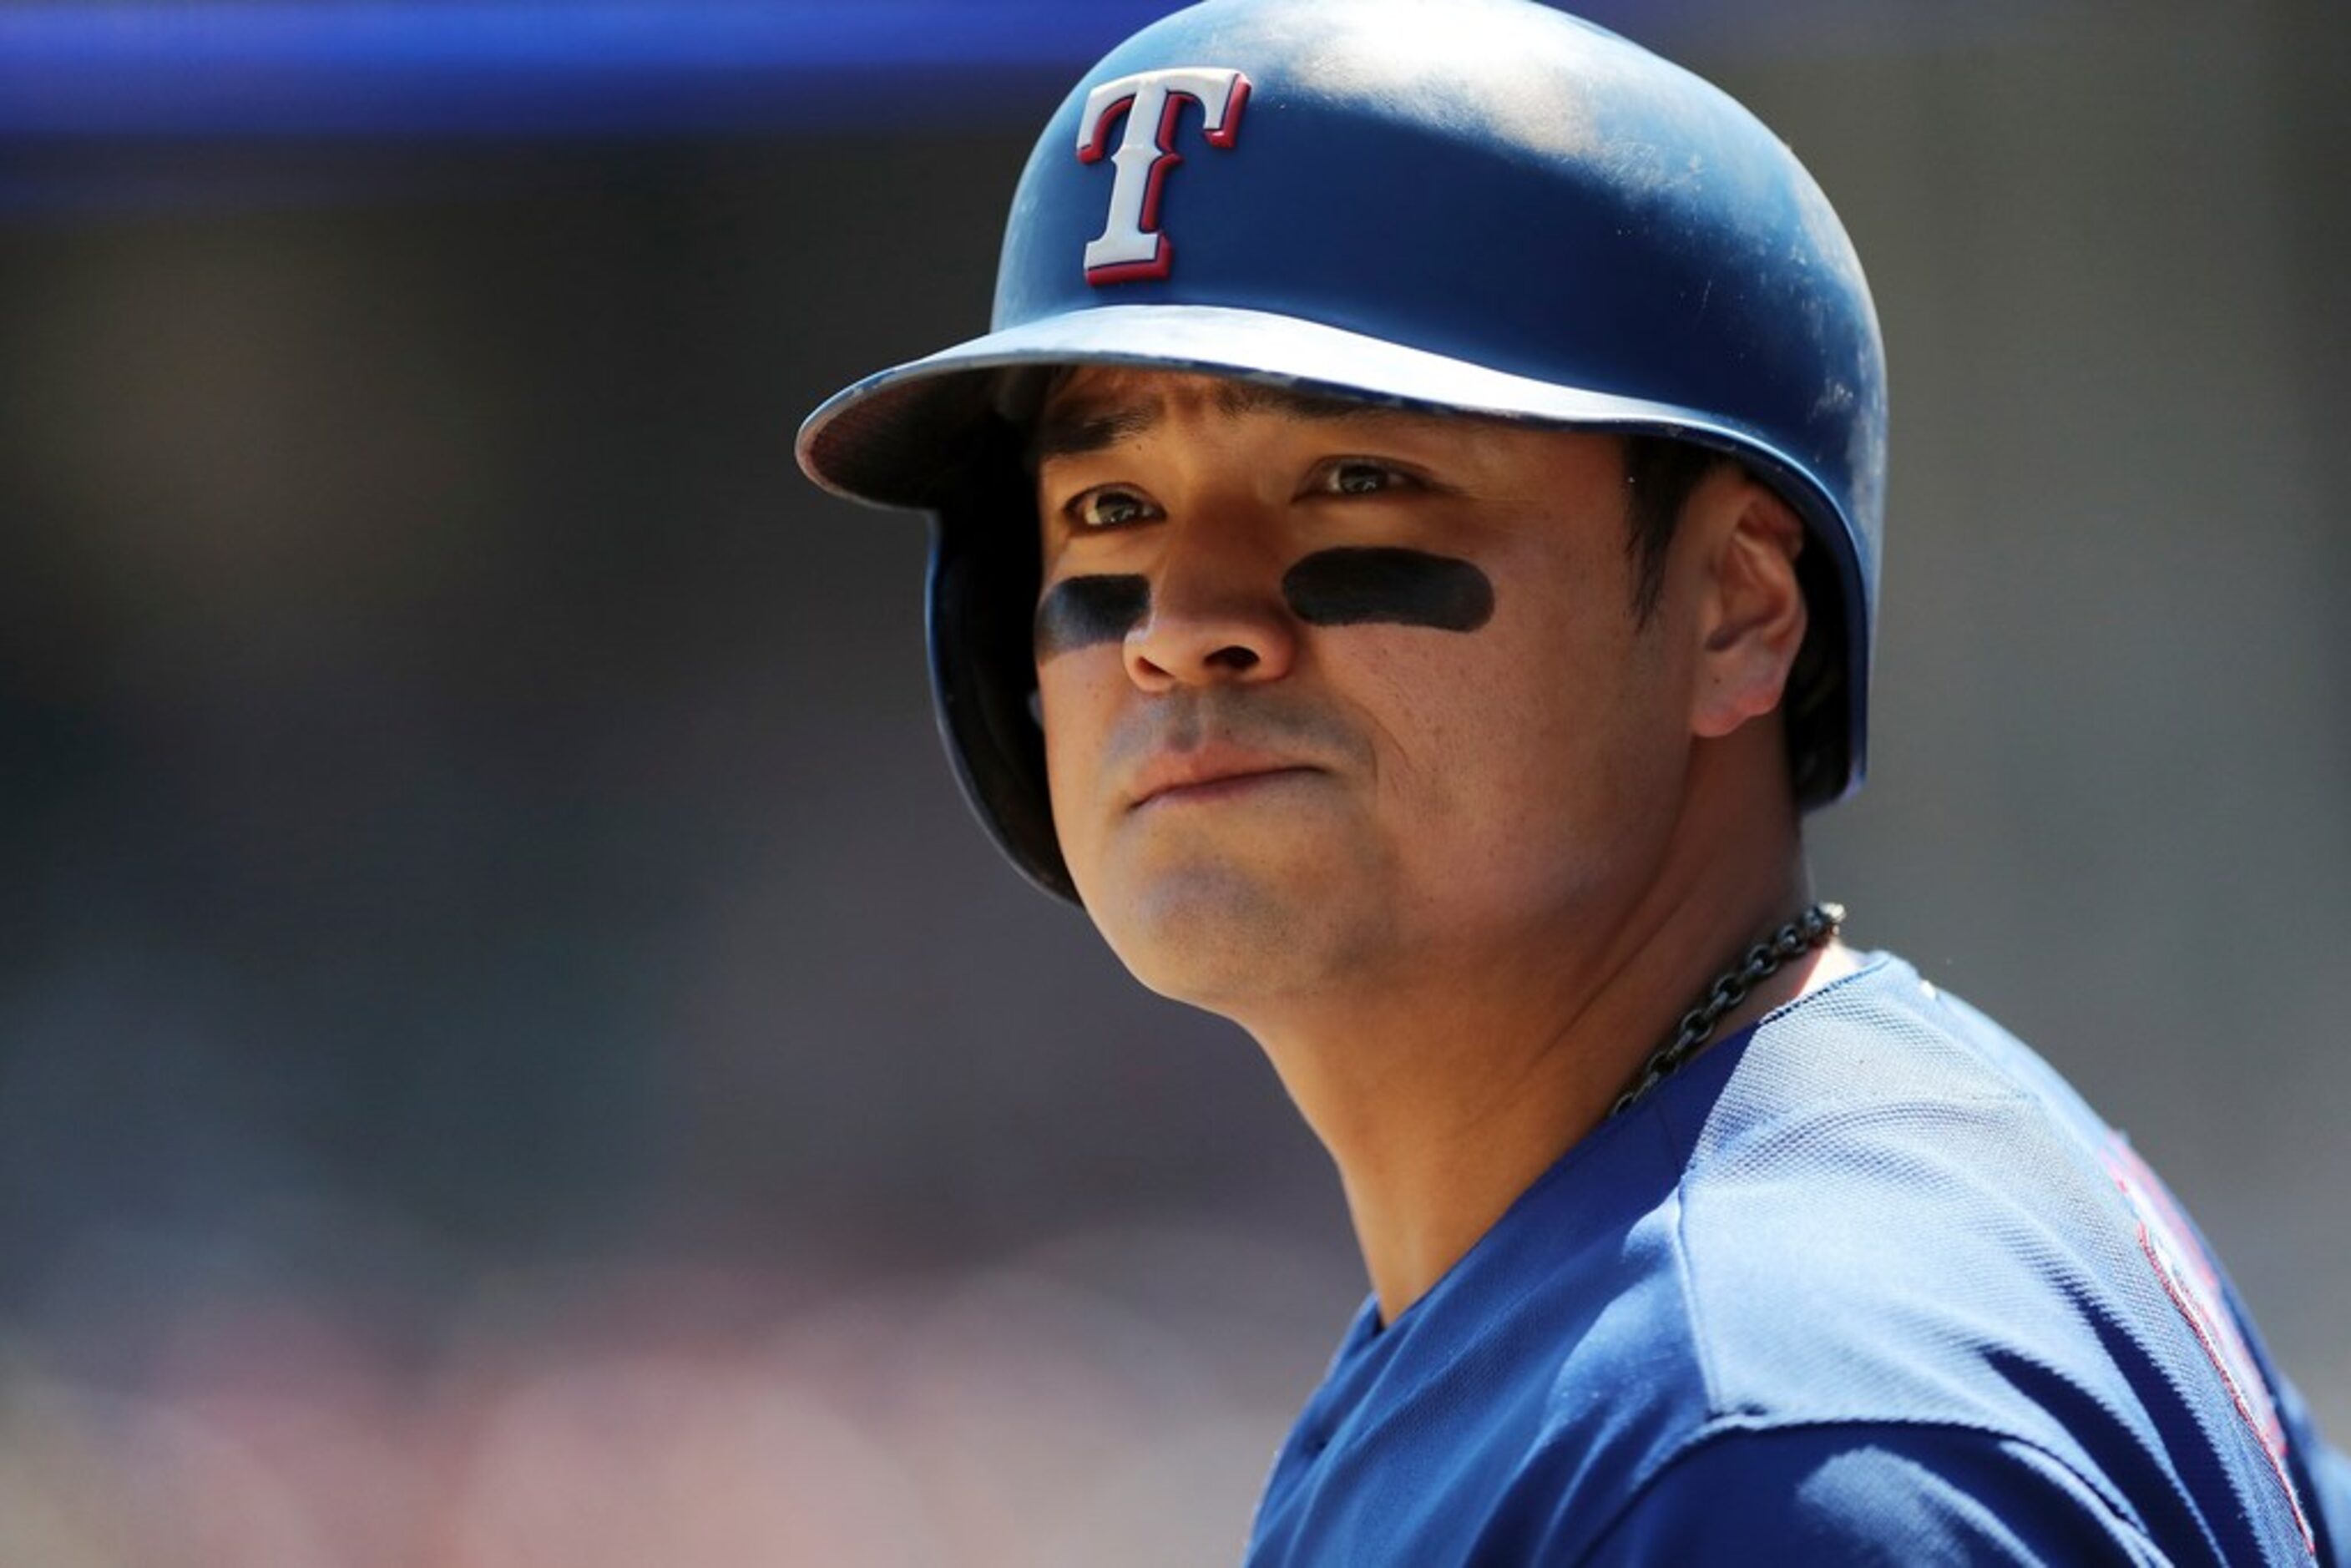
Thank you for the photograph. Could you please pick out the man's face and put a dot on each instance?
(1334, 692)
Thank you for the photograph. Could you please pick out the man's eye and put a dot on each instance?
(1109, 507)
(1362, 476)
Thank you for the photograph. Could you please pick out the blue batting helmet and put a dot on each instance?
(1478, 206)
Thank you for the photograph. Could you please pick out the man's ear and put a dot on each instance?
(1752, 617)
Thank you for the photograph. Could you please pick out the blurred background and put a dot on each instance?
(511, 1049)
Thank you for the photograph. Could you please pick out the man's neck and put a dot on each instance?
(1441, 1099)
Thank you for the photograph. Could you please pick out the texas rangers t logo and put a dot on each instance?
(1131, 245)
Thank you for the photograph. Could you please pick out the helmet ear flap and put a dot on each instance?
(986, 564)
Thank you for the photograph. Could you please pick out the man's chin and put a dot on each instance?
(1214, 935)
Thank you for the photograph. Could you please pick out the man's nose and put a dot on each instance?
(1216, 616)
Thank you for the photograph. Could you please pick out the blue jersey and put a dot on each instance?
(1866, 1283)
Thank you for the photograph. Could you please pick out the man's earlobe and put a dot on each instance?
(1755, 616)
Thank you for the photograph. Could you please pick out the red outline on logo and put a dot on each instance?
(1098, 134)
(2172, 1248)
(1097, 145)
(1232, 114)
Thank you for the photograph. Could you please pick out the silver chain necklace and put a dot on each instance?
(1809, 930)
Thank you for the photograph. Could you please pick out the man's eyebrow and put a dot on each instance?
(1256, 397)
(1081, 427)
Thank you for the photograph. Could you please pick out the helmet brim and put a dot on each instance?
(898, 438)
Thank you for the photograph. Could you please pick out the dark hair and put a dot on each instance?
(1660, 473)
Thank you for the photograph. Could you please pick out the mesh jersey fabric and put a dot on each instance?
(1867, 1282)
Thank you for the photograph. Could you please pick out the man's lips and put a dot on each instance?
(1204, 773)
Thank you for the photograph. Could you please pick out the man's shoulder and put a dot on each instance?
(1891, 1215)
(1884, 1201)
(1779, 1231)
(1775, 1238)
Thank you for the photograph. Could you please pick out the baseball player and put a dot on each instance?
(1406, 557)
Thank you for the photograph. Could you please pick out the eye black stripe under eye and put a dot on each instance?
(1081, 612)
(1356, 584)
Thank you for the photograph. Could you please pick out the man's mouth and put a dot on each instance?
(1209, 774)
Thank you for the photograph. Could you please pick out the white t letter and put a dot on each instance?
(1131, 244)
